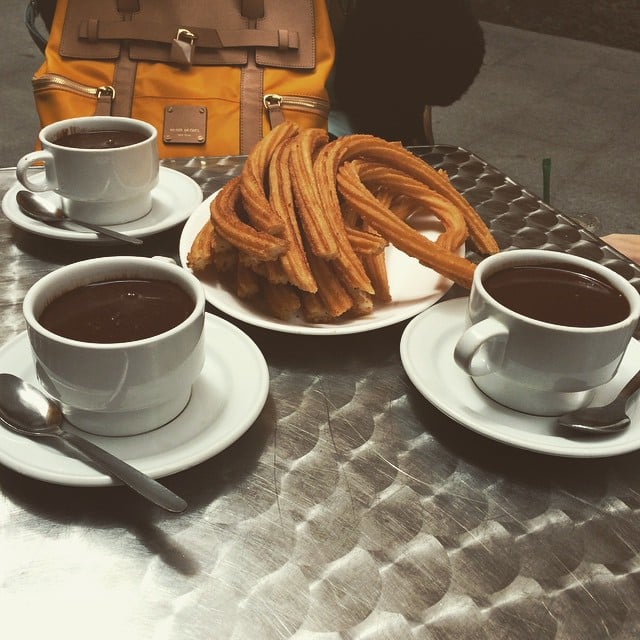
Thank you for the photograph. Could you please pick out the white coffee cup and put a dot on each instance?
(535, 366)
(121, 388)
(105, 186)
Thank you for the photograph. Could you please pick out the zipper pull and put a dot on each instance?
(273, 104)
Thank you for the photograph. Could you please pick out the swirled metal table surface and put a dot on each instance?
(351, 509)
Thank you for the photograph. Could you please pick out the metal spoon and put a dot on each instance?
(27, 411)
(45, 211)
(606, 419)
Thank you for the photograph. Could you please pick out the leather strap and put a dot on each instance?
(252, 9)
(128, 6)
(103, 103)
(275, 114)
(124, 80)
(97, 30)
(251, 93)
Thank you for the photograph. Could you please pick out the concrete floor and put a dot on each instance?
(540, 96)
(537, 96)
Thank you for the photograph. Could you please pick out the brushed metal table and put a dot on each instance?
(351, 510)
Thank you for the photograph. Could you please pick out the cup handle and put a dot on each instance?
(481, 348)
(48, 181)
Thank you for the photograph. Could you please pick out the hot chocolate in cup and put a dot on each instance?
(117, 341)
(104, 168)
(544, 329)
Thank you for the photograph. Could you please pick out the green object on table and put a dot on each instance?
(546, 180)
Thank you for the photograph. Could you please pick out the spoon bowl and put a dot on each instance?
(25, 410)
(607, 419)
(42, 210)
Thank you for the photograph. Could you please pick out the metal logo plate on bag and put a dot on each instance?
(185, 124)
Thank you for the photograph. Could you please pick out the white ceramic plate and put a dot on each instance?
(426, 349)
(173, 200)
(225, 401)
(413, 287)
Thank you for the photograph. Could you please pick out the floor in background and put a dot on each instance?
(615, 23)
(539, 96)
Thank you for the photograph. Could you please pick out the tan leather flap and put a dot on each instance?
(283, 37)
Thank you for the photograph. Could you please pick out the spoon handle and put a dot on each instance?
(630, 388)
(136, 480)
(105, 231)
(32, 207)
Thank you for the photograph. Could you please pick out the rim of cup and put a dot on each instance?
(65, 274)
(132, 124)
(527, 257)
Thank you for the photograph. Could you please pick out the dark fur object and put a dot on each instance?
(396, 56)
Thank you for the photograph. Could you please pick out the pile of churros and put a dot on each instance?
(302, 230)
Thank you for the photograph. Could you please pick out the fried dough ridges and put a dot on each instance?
(254, 176)
(294, 261)
(225, 214)
(304, 227)
(399, 233)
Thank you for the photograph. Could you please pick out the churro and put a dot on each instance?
(313, 309)
(200, 254)
(332, 292)
(398, 232)
(247, 281)
(281, 299)
(319, 231)
(210, 249)
(254, 176)
(376, 267)
(294, 261)
(375, 149)
(366, 242)
(303, 229)
(456, 232)
(224, 214)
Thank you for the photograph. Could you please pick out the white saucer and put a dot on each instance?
(226, 400)
(426, 350)
(413, 287)
(173, 200)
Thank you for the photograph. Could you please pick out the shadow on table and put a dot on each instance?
(114, 507)
(590, 477)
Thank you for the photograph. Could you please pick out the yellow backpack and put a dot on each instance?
(213, 76)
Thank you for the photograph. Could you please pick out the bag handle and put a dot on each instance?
(30, 16)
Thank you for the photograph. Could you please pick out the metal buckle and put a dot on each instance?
(106, 91)
(184, 35)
